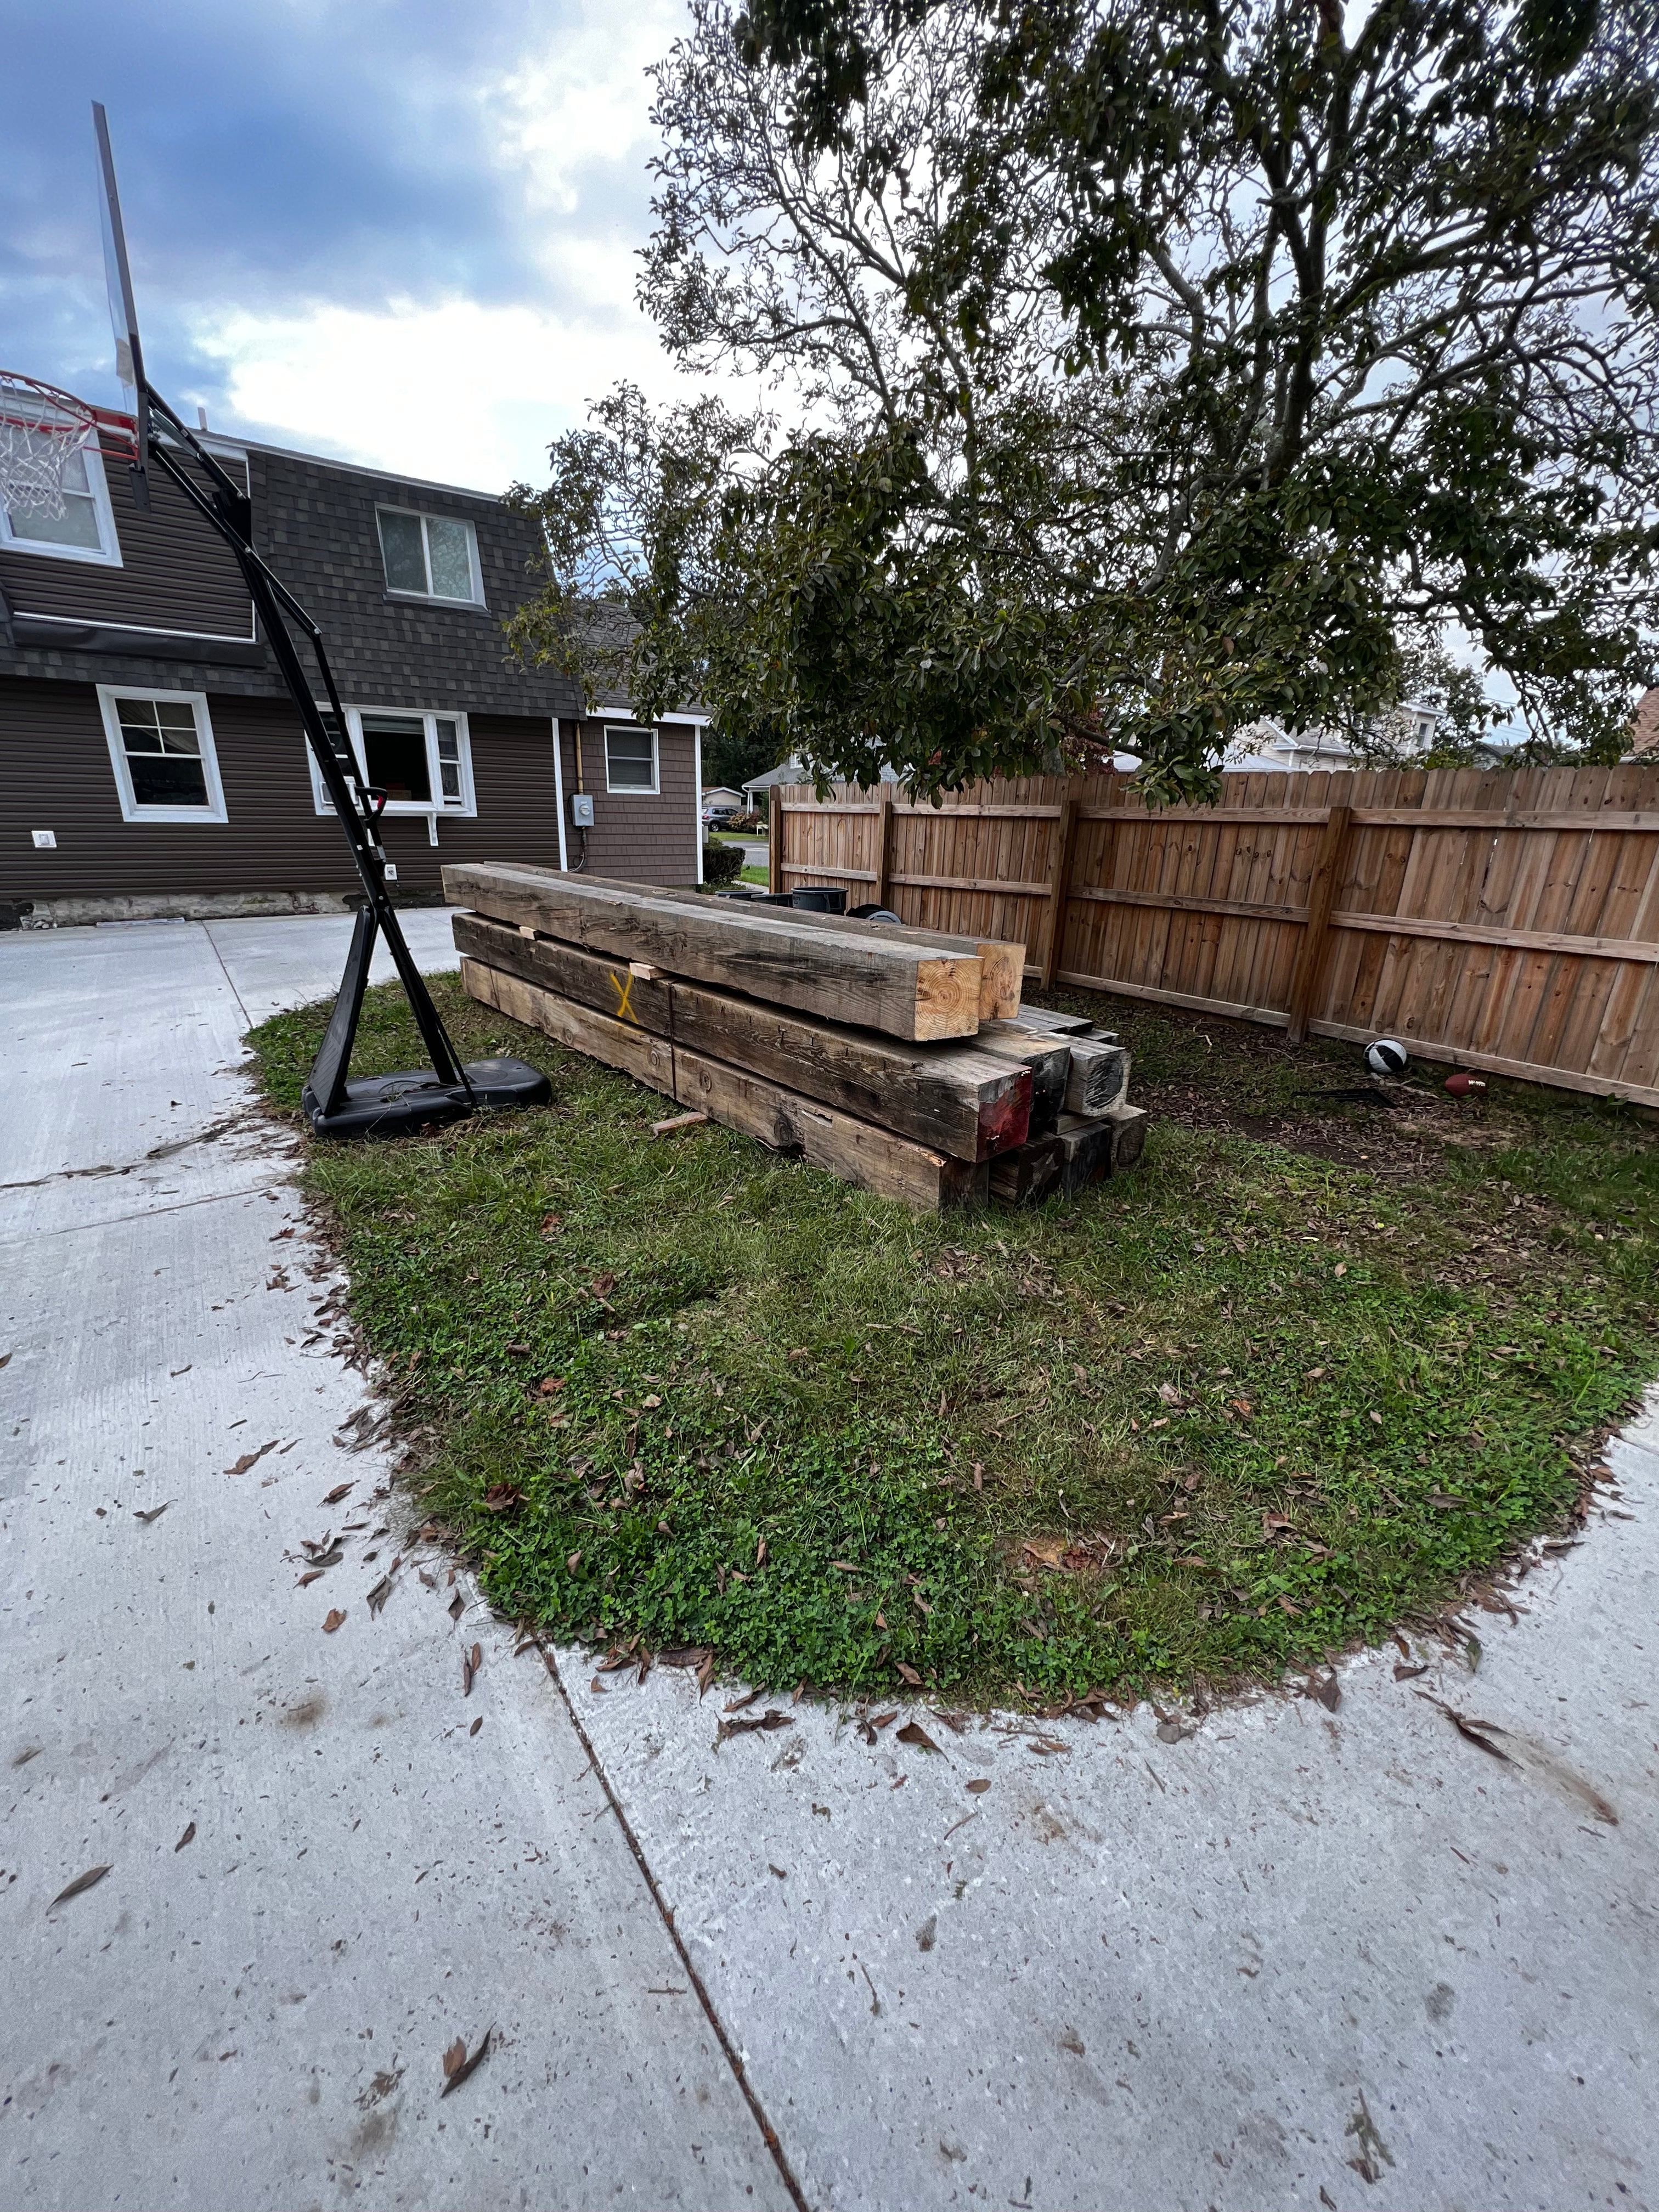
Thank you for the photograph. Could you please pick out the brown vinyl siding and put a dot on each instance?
(175, 575)
(648, 838)
(57, 774)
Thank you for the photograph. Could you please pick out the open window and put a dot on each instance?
(85, 531)
(422, 760)
(430, 556)
(161, 746)
(630, 761)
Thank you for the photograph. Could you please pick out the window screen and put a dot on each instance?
(405, 555)
(630, 759)
(394, 753)
(449, 762)
(164, 753)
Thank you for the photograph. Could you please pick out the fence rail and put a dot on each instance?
(1509, 922)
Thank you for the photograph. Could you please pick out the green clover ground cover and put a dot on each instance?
(1218, 1418)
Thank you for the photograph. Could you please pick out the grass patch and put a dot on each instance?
(1301, 1377)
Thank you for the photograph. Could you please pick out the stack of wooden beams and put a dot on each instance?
(899, 1058)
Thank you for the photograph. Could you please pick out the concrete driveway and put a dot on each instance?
(1297, 1957)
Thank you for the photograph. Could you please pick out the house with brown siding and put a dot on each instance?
(153, 763)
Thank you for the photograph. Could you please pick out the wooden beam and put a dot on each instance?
(1522, 940)
(875, 981)
(649, 1060)
(873, 1158)
(1086, 1152)
(1002, 963)
(1321, 898)
(1098, 1076)
(1128, 1125)
(953, 1097)
(1059, 877)
(1048, 1058)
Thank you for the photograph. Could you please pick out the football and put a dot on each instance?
(1386, 1057)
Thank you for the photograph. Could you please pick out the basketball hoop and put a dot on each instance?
(41, 430)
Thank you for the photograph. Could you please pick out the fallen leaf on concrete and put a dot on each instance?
(978, 1787)
(431, 1581)
(476, 1726)
(333, 1621)
(909, 1674)
(683, 1655)
(457, 1606)
(189, 1837)
(252, 1458)
(912, 1733)
(155, 1512)
(380, 1594)
(1172, 1732)
(883, 1720)
(90, 1879)
(705, 1675)
(778, 1871)
(738, 1704)
(336, 1493)
(770, 1719)
(457, 2066)
(1409, 1673)
(1327, 1689)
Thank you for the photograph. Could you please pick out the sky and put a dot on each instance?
(400, 232)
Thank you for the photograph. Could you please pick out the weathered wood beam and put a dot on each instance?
(875, 981)
(951, 1096)
(874, 1159)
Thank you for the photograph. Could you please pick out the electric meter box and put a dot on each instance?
(581, 810)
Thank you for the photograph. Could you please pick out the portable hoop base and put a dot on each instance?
(389, 1105)
(337, 1105)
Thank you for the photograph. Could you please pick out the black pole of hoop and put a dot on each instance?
(335, 1104)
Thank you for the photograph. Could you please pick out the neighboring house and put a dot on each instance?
(153, 764)
(720, 799)
(758, 789)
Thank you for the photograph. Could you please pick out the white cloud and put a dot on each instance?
(465, 391)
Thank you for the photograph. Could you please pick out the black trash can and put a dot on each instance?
(818, 898)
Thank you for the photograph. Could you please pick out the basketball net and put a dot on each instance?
(41, 430)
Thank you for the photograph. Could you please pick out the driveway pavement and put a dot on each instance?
(1300, 1958)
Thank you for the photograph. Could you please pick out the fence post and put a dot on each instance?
(775, 839)
(884, 844)
(1322, 897)
(1059, 881)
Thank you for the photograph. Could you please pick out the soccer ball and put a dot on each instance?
(1386, 1057)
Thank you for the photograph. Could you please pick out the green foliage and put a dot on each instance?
(722, 863)
(1166, 368)
(1271, 1404)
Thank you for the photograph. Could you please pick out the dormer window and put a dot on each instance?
(430, 556)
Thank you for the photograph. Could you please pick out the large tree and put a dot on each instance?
(1149, 365)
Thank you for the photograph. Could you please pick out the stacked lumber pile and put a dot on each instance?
(899, 1058)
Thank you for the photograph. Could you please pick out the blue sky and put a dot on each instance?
(400, 232)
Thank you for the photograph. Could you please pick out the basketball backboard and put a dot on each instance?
(117, 278)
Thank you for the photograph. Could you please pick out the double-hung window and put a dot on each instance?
(83, 530)
(630, 760)
(430, 556)
(422, 760)
(161, 746)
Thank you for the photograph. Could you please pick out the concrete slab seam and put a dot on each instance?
(739, 2073)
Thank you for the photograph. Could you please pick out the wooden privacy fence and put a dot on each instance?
(1509, 922)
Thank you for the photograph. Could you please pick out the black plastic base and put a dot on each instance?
(388, 1105)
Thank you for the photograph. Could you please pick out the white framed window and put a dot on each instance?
(161, 746)
(430, 556)
(630, 760)
(420, 758)
(85, 531)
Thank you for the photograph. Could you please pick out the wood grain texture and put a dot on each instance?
(1096, 1075)
(875, 983)
(953, 1097)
